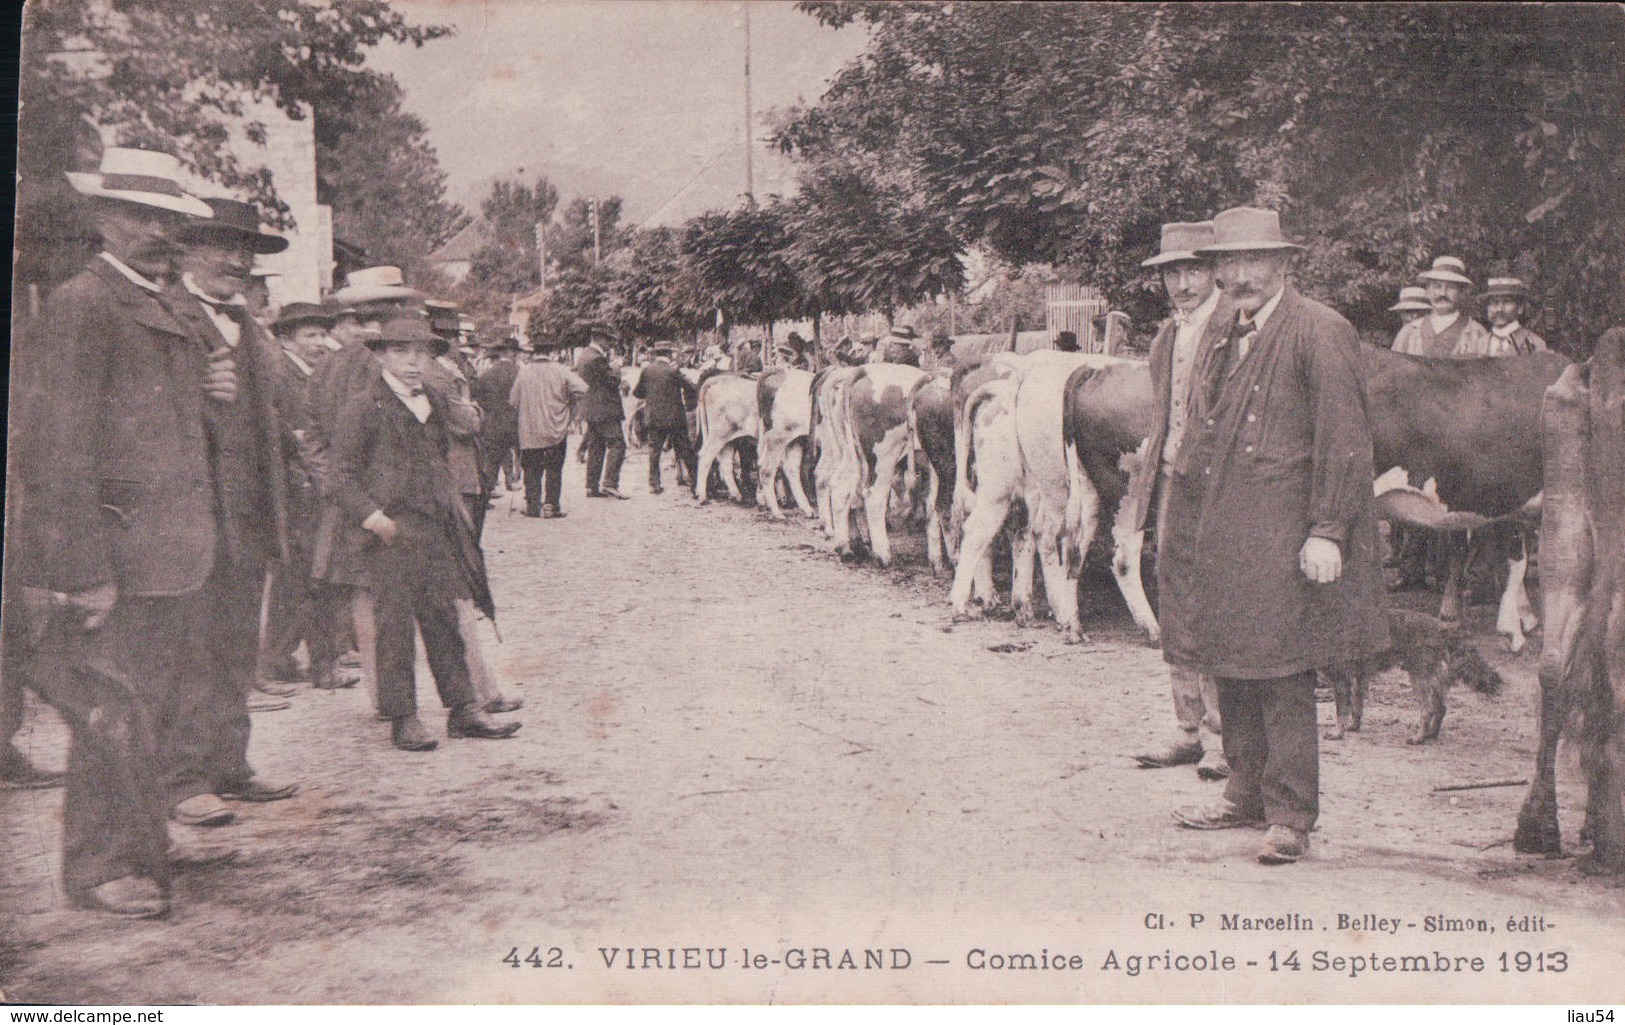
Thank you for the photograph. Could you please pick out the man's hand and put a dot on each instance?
(1321, 560)
(95, 604)
(381, 526)
(220, 383)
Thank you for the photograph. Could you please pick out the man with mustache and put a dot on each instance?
(1188, 280)
(123, 548)
(1268, 566)
(1446, 331)
(208, 740)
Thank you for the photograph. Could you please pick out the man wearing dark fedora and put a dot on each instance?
(667, 397)
(499, 435)
(603, 412)
(118, 540)
(1506, 301)
(407, 525)
(1268, 567)
(208, 742)
(302, 609)
(1188, 280)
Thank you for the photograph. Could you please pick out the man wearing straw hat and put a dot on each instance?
(1446, 331)
(1505, 302)
(1188, 280)
(119, 545)
(1268, 565)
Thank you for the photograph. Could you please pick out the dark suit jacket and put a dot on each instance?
(247, 454)
(491, 390)
(666, 395)
(603, 400)
(115, 432)
(382, 458)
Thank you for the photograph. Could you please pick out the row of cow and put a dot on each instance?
(1042, 448)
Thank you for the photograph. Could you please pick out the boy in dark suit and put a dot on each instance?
(391, 479)
(667, 397)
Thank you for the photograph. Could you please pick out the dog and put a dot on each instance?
(1432, 653)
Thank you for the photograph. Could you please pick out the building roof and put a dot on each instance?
(463, 245)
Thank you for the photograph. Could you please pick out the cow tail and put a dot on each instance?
(1074, 545)
(965, 459)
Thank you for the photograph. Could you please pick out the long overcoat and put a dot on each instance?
(1277, 449)
(602, 403)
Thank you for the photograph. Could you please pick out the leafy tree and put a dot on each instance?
(647, 292)
(570, 241)
(1386, 133)
(177, 76)
(575, 299)
(382, 179)
(740, 265)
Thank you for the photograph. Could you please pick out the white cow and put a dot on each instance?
(784, 402)
(726, 413)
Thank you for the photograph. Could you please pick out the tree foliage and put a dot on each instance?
(739, 264)
(382, 179)
(179, 76)
(1385, 133)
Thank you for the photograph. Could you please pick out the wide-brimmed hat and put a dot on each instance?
(443, 317)
(236, 223)
(139, 176)
(1411, 298)
(508, 344)
(1180, 241)
(406, 329)
(1447, 268)
(375, 284)
(1506, 288)
(663, 349)
(1246, 229)
(294, 314)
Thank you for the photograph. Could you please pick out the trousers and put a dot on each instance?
(606, 450)
(199, 664)
(1196, 707)
(1273, 746)
(414, 585)
(115, 806)
(682, 447)
(544, 475)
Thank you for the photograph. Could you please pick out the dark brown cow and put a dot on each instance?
(1582, 555)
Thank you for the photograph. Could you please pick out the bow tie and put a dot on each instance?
(415, 392)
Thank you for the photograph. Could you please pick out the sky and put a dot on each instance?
(641, 98)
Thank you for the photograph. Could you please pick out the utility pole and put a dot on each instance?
(541, 253)
(597, 236)
(750, 156)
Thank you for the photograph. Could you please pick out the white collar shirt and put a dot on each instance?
(231, 329)
(1188, 329)
(125, 269)
(304, 368)
(1258, 321)
(411, 398)
(1508, 331)
(1442, 324)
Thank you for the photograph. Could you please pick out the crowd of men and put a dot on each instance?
(201, 489)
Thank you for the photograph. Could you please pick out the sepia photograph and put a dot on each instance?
(1068, 504)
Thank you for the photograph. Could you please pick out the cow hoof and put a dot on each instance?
(1074, 635)
(1515, 643)
(779, 517)
(1153, 638)
(1025, 618)
(1417, 739)
(1332, 733)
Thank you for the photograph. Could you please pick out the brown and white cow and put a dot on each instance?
(990, 488)
(1047, 478)
(835, 462)
(784, 406)
(1582, 569)
(725, 414)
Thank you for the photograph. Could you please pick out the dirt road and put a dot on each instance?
(732, 740)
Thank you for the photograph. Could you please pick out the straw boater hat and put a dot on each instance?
(1411, 298)
(1506, 288)
(1447, 268)
(1246, 229)
(1180, 241)
(295, 314)
(405, 329)
(139, 176)
(234, 223)
(375, 284)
